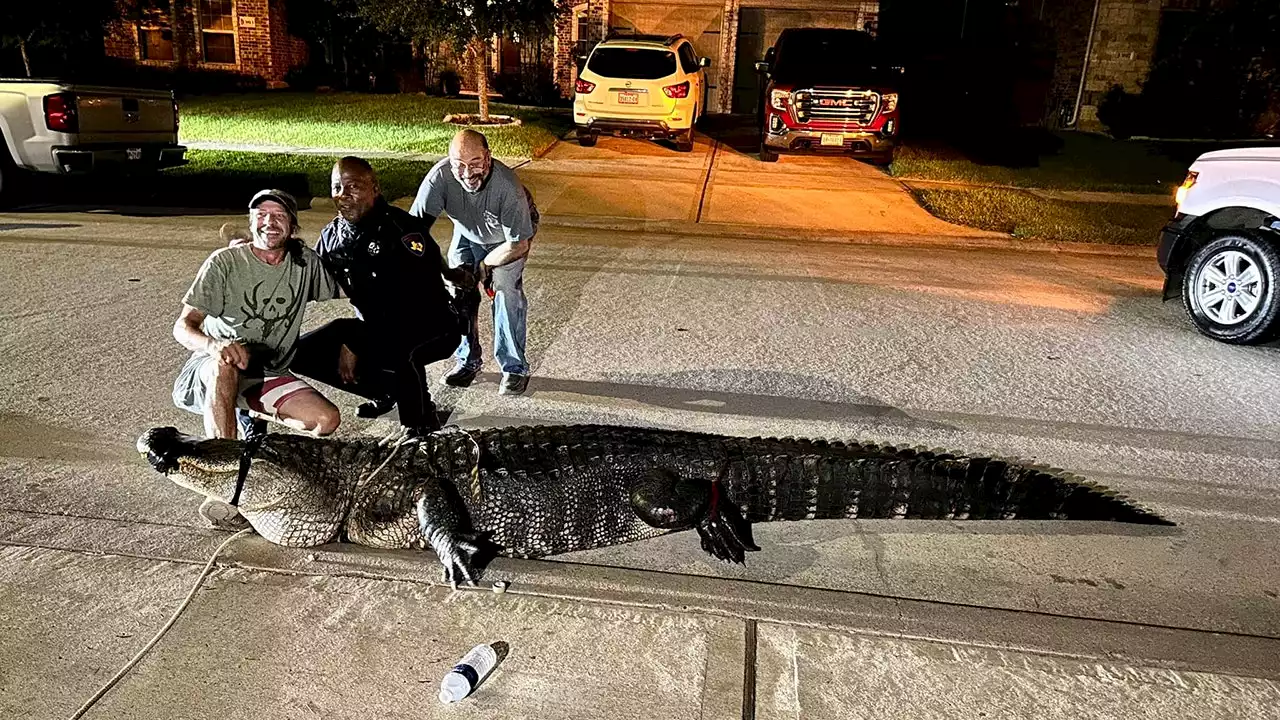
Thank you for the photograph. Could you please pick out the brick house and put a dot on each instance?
(246, 37)
(733, 33)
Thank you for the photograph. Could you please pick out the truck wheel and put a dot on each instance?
(881, 159)
(8, 176)
(587, 139)
(684, 141)
(1229, 288)
(767, 155)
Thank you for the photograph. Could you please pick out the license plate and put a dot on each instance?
(832, 139)
(628, 98)
(133, 153)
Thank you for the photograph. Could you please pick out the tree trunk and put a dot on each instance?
(482, 77)
(26, 61)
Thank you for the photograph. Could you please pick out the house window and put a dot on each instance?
(218, 32)
(155, 44)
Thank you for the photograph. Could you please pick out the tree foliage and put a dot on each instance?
(1223, 79)
(469, 25)
(29, 25)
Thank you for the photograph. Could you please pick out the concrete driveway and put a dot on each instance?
(723, 184)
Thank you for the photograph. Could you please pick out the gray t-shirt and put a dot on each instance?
(258, 304)
(498, 213)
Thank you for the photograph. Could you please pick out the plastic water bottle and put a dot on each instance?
(468, 673)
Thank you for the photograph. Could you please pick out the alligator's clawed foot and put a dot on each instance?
(725, 533)
(457, 555)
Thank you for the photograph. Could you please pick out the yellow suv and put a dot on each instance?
(645, 86)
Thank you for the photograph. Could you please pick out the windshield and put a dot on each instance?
(831, 51)
(632, 63)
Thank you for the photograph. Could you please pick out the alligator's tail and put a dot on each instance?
(802, 479)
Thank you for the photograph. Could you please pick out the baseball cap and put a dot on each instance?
(279, 196)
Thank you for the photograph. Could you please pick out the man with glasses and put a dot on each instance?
(493, 221)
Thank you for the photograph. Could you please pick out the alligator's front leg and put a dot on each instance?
(669, 501)
(446, 529)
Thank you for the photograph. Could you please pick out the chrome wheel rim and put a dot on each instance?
(1229, 288)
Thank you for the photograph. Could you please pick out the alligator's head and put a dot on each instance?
(209, 467)
(291, 494)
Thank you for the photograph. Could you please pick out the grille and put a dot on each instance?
(849, 106)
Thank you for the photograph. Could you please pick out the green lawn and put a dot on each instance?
(1026, 216)
(398, 123)
(242, 173)
(1085, 162)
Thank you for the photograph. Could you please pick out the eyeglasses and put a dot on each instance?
(467, 170)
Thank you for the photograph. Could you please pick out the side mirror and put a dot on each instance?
(704, 62)
(762, 67)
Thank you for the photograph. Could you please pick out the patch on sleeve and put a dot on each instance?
(415, 243)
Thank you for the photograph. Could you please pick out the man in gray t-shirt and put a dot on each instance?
(493, 221)
(241, 318)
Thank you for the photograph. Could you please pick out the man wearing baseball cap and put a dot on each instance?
(240, 319)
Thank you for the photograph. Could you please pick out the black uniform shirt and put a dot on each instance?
(390, 268)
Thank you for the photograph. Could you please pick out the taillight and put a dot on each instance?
(175, 116)
(1181, 195)
(60, 113)
(677, 91)
(584, 87)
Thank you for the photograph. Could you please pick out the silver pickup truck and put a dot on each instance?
(51, 127)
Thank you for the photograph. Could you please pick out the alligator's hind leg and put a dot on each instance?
(663, 499)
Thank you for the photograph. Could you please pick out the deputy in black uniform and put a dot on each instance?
(386, 262)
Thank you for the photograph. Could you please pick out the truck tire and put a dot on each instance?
(684, 141)
(766, 154)
(1229, 289)
(8, 177)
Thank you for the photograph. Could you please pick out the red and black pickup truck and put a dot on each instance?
(828, 91)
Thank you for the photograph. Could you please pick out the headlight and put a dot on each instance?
(778, 99)
(888, 102)
(1181, 195)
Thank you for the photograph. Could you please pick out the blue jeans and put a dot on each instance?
(509, 309)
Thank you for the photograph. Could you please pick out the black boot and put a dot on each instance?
(376, 408)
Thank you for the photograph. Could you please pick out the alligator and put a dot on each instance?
(530, 492)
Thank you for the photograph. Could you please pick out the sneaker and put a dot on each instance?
(222, 515)
(376, 408)
(460, 376)
(513, 384)
(249, 426)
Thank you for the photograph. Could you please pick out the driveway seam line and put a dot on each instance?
(706, 180)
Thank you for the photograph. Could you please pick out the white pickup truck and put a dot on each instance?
(1221, 251)
(51, 127)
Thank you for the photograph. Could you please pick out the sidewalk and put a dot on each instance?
(345, 632)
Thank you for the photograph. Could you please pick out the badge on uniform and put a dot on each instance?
(415, 243)
(374, 248)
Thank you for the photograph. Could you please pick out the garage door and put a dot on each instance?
(698, 21)
(758, 30)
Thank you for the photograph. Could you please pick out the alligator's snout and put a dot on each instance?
(161, 446)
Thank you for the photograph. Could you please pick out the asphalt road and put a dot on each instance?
(1067, 360)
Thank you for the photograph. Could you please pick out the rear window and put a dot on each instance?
(632, 63)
